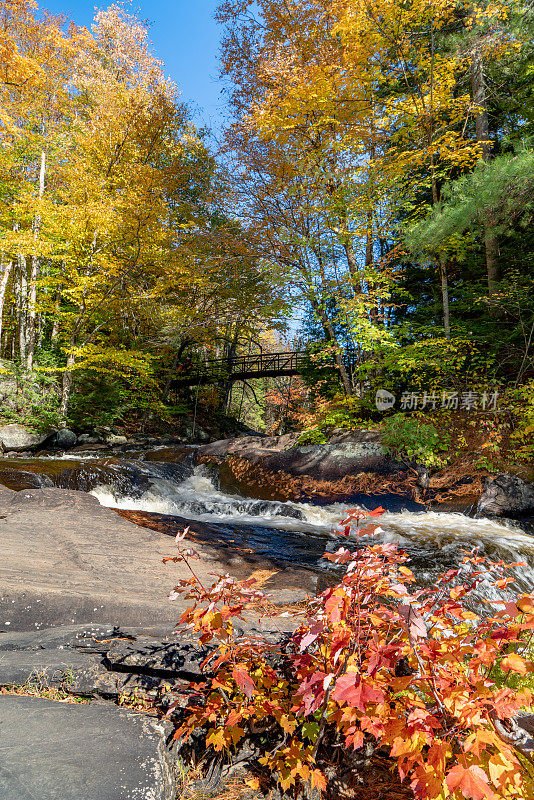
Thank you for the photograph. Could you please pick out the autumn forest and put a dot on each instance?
(369, 203)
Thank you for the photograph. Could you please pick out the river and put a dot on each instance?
(166, 486)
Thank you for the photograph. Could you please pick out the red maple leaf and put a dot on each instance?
(244, 681)
(352, 690)
(473, 782)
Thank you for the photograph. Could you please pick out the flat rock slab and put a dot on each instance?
(45, 667)
(60, 751)
(67, 560)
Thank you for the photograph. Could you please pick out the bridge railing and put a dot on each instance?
(259, 362)
(282, 363)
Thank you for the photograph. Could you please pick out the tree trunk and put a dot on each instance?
(34, 274)
(6, 272)
(22, 306)
(445, 295)
(491, 244)
(66, 387)
(347, 383)
(353, 267)
(55, 324)
(369, 259)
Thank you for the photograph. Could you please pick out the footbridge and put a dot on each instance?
(246, 367)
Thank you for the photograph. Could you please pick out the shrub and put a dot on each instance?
(522, 406)
(338, 412)
(416, 439)
(375, 661)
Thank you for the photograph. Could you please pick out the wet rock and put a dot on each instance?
(65, 438)
(55, 750)
(21, 438)
(506, 496)
(18, 479)
(359, 451)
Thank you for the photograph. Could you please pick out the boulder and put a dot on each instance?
(358, 451)
(114, 438)
(8, 386)
(193, 433)
(19, 437)
(65, 438)
(506, 496)
(87, 438)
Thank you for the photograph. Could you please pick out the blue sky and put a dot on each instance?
(184, 35)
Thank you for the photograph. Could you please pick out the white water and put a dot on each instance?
(435, 541)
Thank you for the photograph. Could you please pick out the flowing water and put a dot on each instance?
(165, 485)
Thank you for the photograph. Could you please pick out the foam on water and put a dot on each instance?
(435, 541)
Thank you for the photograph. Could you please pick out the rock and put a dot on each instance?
(19, 437)
(56, 750)
(18, 479)
(114, 439)
(423, 476)
(194, 433)
(89, 446)
(8, 385)
(65, 438)
(359, 451)
(87, 438)
(166, 659)
(506, 496)
(68, 560)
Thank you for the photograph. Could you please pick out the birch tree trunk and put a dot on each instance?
(22, 305)
(55, 325)
(66, 387)
(6, 272)
(445, 295)
(34, 274)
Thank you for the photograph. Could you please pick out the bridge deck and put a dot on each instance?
(258, 365)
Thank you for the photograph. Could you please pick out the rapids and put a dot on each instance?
(290, 533)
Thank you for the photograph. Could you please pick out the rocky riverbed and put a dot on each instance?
(84, 595)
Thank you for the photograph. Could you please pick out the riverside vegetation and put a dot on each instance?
(390, 204)
(377, 666)
(370, 204)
